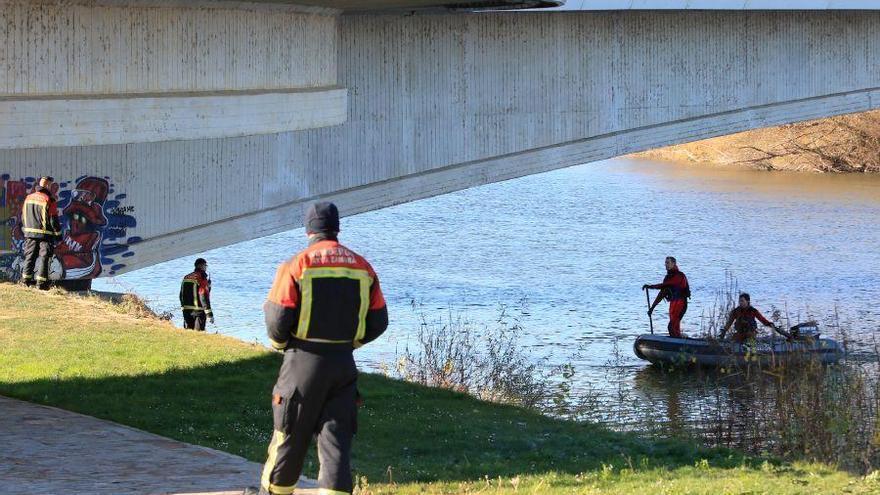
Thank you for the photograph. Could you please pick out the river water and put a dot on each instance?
(567, 252)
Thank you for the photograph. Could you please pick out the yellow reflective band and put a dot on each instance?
(28, 230)
(365, 307)
(364, 281)
(278, 437)
(280, 490)
(328, 341)
(42, 279)
(195, 295)
(305, 312)
(278, 345)
(44, 212)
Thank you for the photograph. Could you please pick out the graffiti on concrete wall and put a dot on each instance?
(12, 194)
(95, 225)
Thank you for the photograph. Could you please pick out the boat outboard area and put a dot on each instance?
(806, 344)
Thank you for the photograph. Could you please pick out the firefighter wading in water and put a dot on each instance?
(676, 290)
(325, 302)
(195, 297)
(41, 229)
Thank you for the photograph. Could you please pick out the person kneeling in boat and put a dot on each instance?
(744, 319)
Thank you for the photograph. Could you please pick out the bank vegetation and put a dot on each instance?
(844, 144)
(84, 355)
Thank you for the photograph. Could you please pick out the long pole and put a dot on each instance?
(650, 318)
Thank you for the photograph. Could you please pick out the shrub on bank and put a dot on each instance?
(804, 411)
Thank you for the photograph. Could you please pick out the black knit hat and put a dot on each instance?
(322, 218)
(201, 261)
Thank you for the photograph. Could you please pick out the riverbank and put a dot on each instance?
(844, 144)
(84, 355)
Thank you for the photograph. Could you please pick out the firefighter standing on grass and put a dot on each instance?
(195, 297)
(41, 229)
(325, 302)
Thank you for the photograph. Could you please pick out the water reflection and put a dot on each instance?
(808, 409)
(699, 402)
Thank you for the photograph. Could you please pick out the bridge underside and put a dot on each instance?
(373, 110)
(418, 5)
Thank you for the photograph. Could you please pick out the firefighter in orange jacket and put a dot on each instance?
(195, 297)
(41, 229)
(325, 302)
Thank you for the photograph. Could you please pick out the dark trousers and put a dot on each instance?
(194, 320)
(744, 333)
(315, 397)
(37, 255)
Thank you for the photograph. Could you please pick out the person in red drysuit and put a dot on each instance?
(676, 290)
(744, 320)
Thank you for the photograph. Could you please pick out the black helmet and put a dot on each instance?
(201, 261)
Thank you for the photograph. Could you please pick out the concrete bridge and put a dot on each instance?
(176, 127)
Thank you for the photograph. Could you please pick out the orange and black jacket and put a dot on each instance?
(325, 299)
(744, 319)
(675, 283)
(39, 216)
(195, 293)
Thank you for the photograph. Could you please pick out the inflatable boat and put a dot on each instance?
(764, 352)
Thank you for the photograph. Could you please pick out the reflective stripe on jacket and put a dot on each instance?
(325, 298)
(39, 216)
(195, 292)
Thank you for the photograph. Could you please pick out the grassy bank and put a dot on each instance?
(87, 356)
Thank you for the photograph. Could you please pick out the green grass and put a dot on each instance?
(84, 355)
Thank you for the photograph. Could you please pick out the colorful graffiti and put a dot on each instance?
(94, 221)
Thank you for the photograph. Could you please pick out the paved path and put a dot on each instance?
(47, 451)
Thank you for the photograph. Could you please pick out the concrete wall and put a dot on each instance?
(716, 5)
(92, 73)
(63, 47)
(444, 102)
(438, 91)
(53, 122)
(167, 112)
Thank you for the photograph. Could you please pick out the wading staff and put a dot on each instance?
(650, 318)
